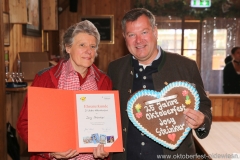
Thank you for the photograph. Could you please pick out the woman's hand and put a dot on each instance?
(68, 154)
(99, 152)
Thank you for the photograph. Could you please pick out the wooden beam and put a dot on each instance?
(63, 6)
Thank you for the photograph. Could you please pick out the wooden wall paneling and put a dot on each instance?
(49, 14)
(12, 108)
(8, 108)
(83, 9)
(225, 107)
(15, 108)
(11, 48)
(231, 107)
(73, 17)
(54, 43)
(16, 35)
(28, 43)
(217, 106)
(18, 11)
(105, 50)
(62, 5)
(92, 8)
(21, 43)
(106, 7)
(6, 5)
(3, 142)
(228, 107)
(237, 107)
(121, 49)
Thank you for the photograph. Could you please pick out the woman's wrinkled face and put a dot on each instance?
(83, 51)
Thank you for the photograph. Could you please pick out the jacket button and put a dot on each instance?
(129, 91)
(125, 129)
(123, 149)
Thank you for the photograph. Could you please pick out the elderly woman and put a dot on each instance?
(75, 72)
(231, 73)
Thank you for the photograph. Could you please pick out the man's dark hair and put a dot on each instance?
(133, 15)
(234, 49)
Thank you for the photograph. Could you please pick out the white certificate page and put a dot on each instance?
(96, 120)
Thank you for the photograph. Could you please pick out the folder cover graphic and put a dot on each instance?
(58, 120)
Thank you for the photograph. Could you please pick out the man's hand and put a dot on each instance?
(194, 119)
(68, 154)
(99, 152)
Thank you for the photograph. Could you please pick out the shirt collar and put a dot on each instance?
(69, 67)
(157, 57)
(71, 70)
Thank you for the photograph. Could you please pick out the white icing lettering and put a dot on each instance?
(181, 108)
(150, 116)
(173, 129)
(173, 110)
(167, 121)
(166, 103)
(149, 108)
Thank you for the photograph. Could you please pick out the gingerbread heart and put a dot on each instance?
(159, 115)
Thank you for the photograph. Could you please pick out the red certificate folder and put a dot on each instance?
(52, 120)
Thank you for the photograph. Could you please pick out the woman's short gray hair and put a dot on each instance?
(81, 27)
